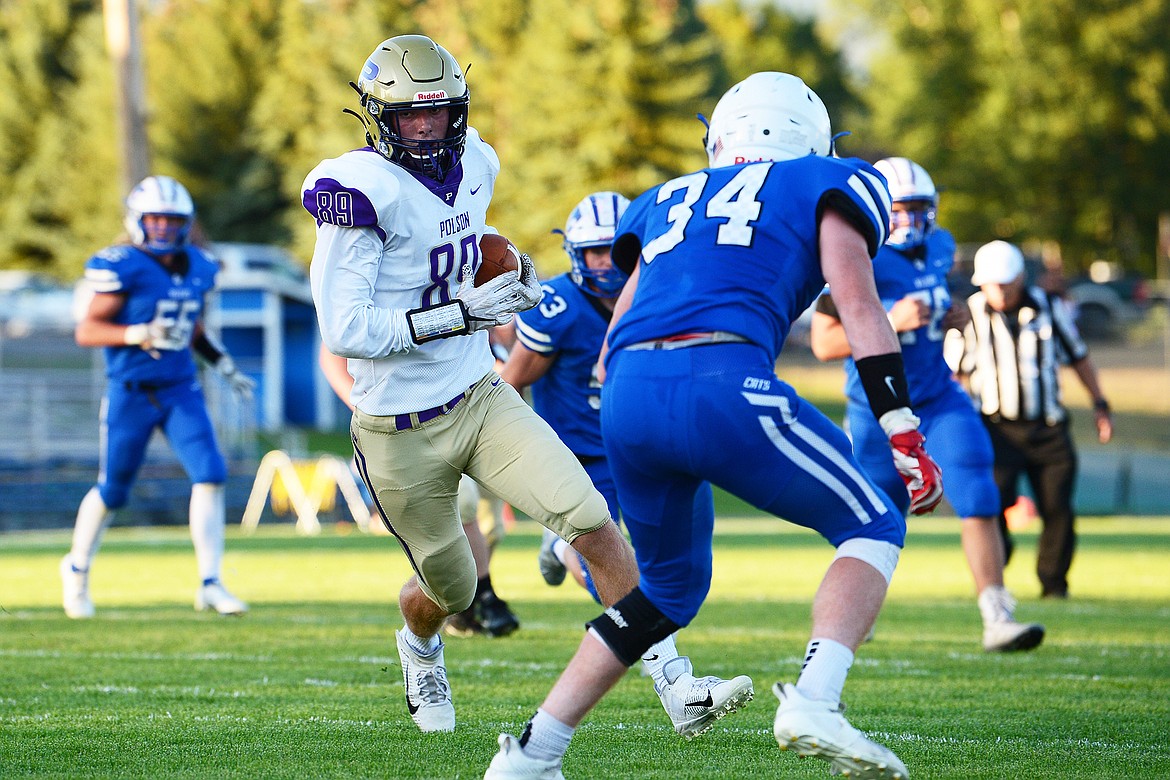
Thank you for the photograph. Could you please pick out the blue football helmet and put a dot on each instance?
(592, 224)
(912, 186)
(159, 195)
(413, 73)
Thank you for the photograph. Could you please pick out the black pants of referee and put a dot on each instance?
(1045, 453)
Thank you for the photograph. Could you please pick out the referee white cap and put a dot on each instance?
(997, 263)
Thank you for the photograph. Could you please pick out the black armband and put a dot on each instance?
(884, 380)
(438, 322)
(206, 349)
(632, 626)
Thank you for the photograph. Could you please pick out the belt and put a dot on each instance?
(684, 340)
(414, 419)
(148, 387)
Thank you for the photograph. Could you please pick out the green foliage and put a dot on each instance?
(308, 684)
(1045, 120)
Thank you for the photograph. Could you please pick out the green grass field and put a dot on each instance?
(308, 684)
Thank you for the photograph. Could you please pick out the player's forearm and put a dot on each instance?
(828, 338)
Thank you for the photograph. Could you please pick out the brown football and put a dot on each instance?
(497, 255)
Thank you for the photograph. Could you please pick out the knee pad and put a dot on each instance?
(631, 626)
(883, 556)
(448, 576)
(114, 495)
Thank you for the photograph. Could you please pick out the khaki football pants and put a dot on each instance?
(497, 439)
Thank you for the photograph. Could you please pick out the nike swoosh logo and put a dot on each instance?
(890, 384)
(497, 380)
(707, 702)
(651, 657)
(475, 189)
(414, 707)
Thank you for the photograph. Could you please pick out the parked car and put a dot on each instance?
(31, 302)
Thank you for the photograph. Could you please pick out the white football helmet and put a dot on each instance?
(909, 184)
(768, 116)
(159, 195)
(593, 223)
(412, 72)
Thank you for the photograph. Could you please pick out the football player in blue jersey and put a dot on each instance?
(910, 272)
(146, 312)
(556, 350)
(721, 262)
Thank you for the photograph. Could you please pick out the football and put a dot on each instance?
(497, 255)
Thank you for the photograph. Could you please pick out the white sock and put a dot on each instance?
(207, 529)
(92, 520)
(561, 548)
(422, 645)
(826, 664)
(655, 659)
(545, 738)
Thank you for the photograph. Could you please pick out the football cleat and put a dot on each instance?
(694, 704)
(215, 596)
(1001, 632)
(463, 624)
(75, 591)
(551, 568)
(511, 763)
(817, 728)
(428, 694)
(495, 616)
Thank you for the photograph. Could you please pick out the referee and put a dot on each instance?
(1013, 347)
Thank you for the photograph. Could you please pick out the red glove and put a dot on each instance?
(921, 474)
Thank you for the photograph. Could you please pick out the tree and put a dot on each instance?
(1046, 119)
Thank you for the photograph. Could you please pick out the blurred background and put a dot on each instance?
(1044, 122)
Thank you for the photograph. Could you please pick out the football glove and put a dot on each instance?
(918, 470)
(532, 292)
(492, 304)
(240, 383)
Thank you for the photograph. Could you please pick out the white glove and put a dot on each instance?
(492, 304)
(240, 383)
(158, 334)
(918, 470)
(532, 292)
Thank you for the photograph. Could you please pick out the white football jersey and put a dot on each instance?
(390, 240)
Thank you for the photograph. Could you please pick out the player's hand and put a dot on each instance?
(910, 313)
(532, 292)
(492, 304)
(921, 474)
(158, 334)
(240, 383)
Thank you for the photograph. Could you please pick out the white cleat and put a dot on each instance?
(694, 704)
(551, 568)
(75, 591)
(816, 728)
(512, 764)
(215, 596)
(428, 694)
(1001, 632)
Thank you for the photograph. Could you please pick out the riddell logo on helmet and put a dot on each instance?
(440, 95)
(739, 159)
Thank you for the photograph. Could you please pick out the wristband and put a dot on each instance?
(437, 322)
(884, 380)
(1101, 405)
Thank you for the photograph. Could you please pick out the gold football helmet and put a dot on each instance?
(412, 72)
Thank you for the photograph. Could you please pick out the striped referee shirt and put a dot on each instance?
(1014, 358)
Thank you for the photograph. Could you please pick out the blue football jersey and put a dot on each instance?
(569, 326)
(898, 276)
(750, 263)
(152, 293)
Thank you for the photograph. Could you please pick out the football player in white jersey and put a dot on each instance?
(398, 230)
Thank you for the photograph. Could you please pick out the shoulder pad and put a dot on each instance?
(474, 142)
(349, 191)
